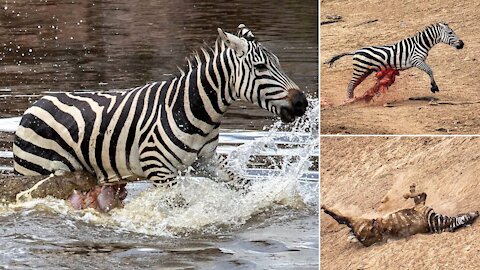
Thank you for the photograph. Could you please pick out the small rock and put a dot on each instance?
(334, 17)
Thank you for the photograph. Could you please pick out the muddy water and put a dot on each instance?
(97, 45)
(51, 46)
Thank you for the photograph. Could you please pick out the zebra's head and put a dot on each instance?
(447, 36)
(259, 79)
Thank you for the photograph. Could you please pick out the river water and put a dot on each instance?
(103, 45)
(51, 46)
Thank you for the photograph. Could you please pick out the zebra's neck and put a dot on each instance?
(427, 38)
(206, 89)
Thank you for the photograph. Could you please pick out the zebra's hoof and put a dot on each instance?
(435, 89)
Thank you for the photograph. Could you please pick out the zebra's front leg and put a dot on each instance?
(425, 68)
(217, 168)
(234, 180)
(164, 180)
(418, 197)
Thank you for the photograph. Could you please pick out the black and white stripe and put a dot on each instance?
(438, 223)
(410, 52)
(158, 129)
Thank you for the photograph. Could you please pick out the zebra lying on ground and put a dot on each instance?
(159, 129)
(410, 52)
(403, 223)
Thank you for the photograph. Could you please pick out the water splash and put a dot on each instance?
(203, 205)
(199, 205)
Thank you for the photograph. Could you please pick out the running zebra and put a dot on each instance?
(410, 52)
(159, 129)
(403, 223)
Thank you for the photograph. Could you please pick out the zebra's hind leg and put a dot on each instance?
(357, 78)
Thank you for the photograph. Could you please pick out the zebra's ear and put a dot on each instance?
(233, 42)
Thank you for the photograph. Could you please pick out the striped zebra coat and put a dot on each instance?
(159, 129)
(407, 53)
(403, 223)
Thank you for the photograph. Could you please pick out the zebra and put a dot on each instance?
(403, 223)
(160, 129)
(407, 53)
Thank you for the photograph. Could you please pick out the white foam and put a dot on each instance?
(201, 204)
(9, 124)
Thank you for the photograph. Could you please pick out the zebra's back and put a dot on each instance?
(376, 58)
(83, 131)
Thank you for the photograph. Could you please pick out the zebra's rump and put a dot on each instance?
(78, 131)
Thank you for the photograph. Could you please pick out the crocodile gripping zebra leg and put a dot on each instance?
(403, 223)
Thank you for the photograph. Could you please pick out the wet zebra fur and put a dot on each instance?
(159, 129)
(403, 223)
(407, 53)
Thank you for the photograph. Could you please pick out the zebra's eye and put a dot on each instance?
(261, 67)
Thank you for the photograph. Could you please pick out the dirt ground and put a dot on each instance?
(367, 176)
(456, 71)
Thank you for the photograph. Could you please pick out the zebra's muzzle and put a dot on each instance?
(459, 45)
(299, 101)
(298, 106)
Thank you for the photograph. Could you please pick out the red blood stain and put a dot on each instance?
(385, 78)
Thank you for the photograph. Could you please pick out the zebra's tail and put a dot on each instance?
(337, 216)
(336, 57)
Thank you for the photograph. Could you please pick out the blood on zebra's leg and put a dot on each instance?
(101, 198)
(385, 78)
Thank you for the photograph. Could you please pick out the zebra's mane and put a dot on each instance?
(432, 26)
(199, 56)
